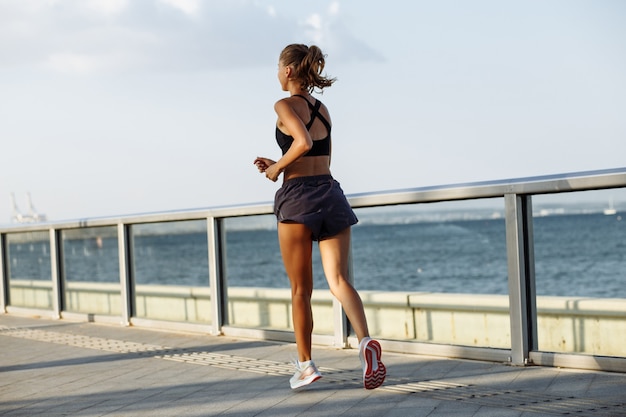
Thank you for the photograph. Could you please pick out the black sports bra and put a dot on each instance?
(321, 147)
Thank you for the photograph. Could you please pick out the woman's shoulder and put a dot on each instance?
(293, 103)
(299, 105)
(283, 104)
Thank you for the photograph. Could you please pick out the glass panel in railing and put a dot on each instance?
(434, 272)
(259, 294)
(29, 270)
(91, 271)
(580, 268)
(171, 271)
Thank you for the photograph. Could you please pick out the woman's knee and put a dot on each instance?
(339, 286)
(301, 287)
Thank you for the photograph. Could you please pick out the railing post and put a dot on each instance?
(217, 273)
(521, 271)
(125, 255)
(56, 273)
(4, 276)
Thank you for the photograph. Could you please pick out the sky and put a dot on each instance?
(114, 107)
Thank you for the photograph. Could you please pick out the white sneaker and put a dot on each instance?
(374, 370)
(306, 373)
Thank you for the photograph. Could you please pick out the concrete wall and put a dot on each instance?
(565, 324)
(30, 293)
(93, 298)
(172, 303)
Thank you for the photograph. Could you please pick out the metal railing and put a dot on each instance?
(517, 196)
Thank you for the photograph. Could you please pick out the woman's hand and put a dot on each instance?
(263, 163)
(272, 172)
(267, 166)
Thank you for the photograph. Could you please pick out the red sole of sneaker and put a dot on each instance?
(309, 382)
(373, 378)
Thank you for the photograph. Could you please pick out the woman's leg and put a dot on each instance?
(334, 252)
(296, 246)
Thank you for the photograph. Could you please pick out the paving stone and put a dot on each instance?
(59, 368)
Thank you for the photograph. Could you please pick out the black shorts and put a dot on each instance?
(317, 202)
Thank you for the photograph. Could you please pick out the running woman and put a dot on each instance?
(311, 206)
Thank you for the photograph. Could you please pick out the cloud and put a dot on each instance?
(107, 7)
(102, 36)
(333, 8)
(72, 63)
(329, 31)
(189, 7)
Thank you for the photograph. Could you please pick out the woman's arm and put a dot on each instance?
(292, 125)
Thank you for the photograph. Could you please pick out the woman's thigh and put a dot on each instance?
(296, 249)
(335, 252)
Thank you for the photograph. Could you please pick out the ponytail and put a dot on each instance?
(308, 64)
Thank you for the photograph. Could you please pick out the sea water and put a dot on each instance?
(575, 255)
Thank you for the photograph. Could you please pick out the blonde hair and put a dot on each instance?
(307, 63)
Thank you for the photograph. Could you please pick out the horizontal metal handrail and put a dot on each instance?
(546, 184)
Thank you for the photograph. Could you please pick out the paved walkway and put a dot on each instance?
(60, 368)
